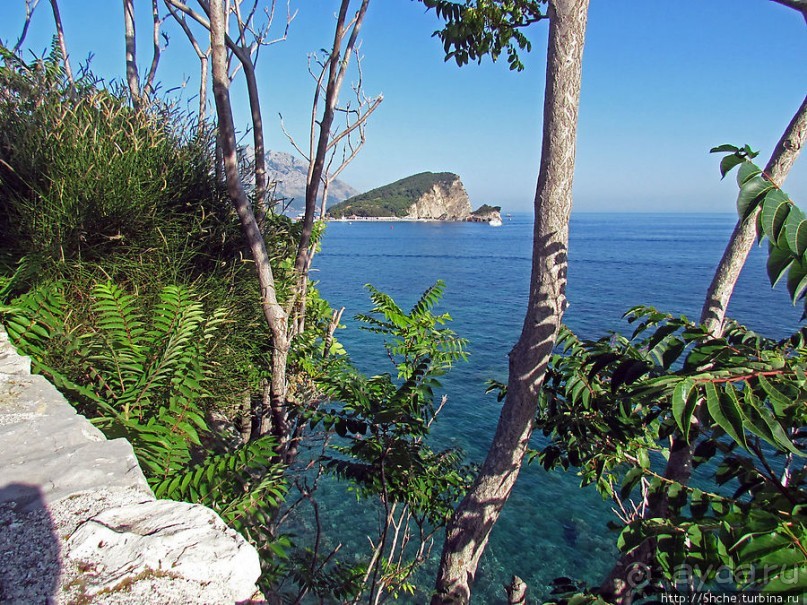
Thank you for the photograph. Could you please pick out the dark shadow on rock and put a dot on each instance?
(29, 547)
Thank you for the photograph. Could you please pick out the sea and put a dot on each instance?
(550, 527)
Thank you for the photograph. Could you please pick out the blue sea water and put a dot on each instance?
(550, 527)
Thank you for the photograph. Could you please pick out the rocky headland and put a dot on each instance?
(437, 196)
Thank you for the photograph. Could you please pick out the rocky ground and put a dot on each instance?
(79, 524)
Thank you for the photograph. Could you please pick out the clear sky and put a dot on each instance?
(663, 82)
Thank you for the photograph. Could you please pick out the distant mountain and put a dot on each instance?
(427, 195)
(290, 174)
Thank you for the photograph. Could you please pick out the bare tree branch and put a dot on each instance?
(130, 37)
(246, 54)
(203, 57)
(30, 7)
(148, 89)
(337, 67)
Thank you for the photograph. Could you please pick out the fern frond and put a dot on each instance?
(118, 317)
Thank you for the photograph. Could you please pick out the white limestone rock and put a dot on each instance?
(163, 538)
(79, 523)
(445, 200)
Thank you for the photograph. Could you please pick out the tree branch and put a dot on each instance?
(30, 7)
(799, 5)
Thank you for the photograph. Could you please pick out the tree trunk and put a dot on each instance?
(617, 588)
(132, 77)
(261, 204)
(276, 318)
(728, 271)
(336, 75)
(57, 18)
(468, 531)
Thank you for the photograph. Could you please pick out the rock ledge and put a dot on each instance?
(78, 522)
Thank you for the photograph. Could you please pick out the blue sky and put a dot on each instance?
(662, 83)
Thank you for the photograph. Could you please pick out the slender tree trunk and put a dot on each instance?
(148, 87)
(202, 91)
(57, 18)
(132, 77)
(336, 74)
(616, 587)
(742, 240)
(276, 317)
(468, 531)
(261, 205)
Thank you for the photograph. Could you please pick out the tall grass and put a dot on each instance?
(84, 177)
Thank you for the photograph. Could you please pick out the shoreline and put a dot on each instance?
(393, 219)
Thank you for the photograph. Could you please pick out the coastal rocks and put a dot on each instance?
(486, 214)
(78, 522)
(445, 201)
(167, 538)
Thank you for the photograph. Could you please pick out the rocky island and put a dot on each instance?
(437, 196)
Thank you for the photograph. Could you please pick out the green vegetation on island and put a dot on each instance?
(393, 200)
(486, 209)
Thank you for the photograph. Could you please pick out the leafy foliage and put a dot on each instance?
(477, 28)
(386, 422)
(85, 179)
(778, 218)
(245, 486)
(383, 423)
(739, 400)
(137, 379)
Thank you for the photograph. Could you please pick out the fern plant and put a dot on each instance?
(136, 379)
(141, 371)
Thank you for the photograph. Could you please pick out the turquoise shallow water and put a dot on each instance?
(550, 527)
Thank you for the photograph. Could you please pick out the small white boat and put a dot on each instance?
(495, 222)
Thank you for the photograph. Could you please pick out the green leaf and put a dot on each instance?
(796, 232)
(775, 210)
(627, 372)
(761, 545)
(792, 581)
(778, 400)
(746, 172)
(797, 280)
(629, 482)
(761, 422)
(751, 193)
(683, 405)
(725, 148)
(725, 411)
(779, 260)
(729, 162)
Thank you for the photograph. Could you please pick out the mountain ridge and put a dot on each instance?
(290, 174)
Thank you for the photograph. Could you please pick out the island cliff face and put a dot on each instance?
(437, 196)
(446, 200)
